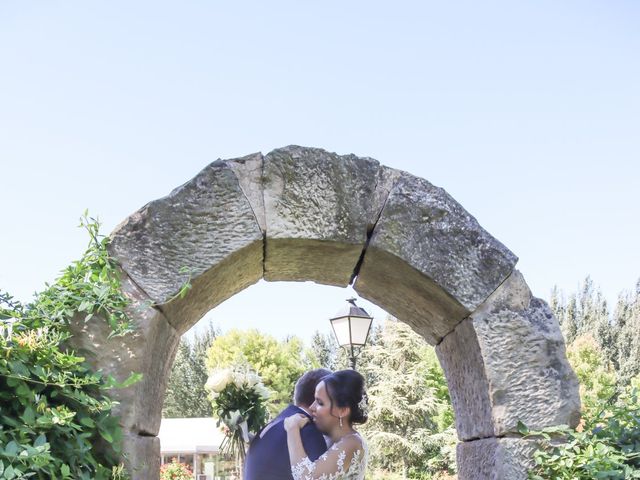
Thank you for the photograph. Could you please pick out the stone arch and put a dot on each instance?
(306, 214)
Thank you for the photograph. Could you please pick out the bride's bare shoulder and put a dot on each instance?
(351, 443)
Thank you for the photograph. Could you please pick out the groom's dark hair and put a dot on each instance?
(305, 391)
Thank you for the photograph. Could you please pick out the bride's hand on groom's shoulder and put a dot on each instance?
(296, 421)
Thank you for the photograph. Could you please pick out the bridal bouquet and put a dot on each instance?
(239, 400)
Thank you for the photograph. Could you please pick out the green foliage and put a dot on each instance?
(410, 426)
(606, 447)
(89, 286)
(279, 363)
(625, 350)
(586, 312)
(186, 396)
(326, 351)
(54, 410)
(582, 312)
(597, 379)
(604, 351)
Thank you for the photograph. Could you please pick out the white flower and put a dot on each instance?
(262, 391)
(219, 379)
(239, 379)
(253, 380)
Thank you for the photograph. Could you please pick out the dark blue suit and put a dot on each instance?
(268, 457)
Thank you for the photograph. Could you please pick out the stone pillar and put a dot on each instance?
(504, 364)
(149, 350)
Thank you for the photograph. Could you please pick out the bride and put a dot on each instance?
(340, 402)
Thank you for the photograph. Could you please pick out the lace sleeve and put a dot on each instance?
(344, 460)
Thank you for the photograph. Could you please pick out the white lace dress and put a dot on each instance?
(337, 463)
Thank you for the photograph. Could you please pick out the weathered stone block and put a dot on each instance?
(461, 359)
(423, 226)
(319, 207)
(205, 230)
(507, 363)
(407, 294)
(142, 459)
(525, 360)
(495, 459)
(248, 170)
(149, 350)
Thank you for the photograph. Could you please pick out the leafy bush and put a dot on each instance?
(175, 471)
(597, 378)
(53, 408)
(605, 446)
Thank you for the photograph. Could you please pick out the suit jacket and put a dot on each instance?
(268, 457)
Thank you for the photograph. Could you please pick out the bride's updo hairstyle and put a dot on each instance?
(345, 388)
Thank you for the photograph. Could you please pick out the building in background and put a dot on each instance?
(195, 441)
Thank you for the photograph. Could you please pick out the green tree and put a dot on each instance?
(584, 312)
(279, 363)
(592, 307)
(178, 384)
(410, 417)
(556, 303)
(627, 323)
(587, 313)
(326, 350)
(186, 396)
(597, 378)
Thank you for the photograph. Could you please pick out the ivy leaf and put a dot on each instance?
(87, 422)
(11, 449)
(133, 378)
(106, 435)
(522, 428)
(85, 306)
(29, 416)
(40, 441)
(9, 473)
(19, 368)
(23, 390)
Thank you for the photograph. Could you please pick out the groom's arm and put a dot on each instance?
(313, 442)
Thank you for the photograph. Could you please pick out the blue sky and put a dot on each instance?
(527, 113)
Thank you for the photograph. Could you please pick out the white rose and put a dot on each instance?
(219, 380)
(239, 379)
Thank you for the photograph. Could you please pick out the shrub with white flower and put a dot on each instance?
(240, 401)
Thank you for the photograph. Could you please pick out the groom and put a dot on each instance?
(268, 456)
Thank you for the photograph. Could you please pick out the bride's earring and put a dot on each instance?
(340, 422)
